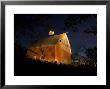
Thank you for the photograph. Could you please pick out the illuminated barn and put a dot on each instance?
(55, 48)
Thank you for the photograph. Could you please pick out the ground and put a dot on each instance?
(27, 67)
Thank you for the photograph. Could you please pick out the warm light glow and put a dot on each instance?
(51, 32)
(58, 53)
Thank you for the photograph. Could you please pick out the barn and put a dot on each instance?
(55, 48)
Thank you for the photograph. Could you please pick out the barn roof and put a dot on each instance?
(51, 40)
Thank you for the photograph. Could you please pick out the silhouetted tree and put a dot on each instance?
(92, 53)
(72, 21)
(91, 30)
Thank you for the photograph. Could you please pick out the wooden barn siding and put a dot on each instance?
(63, 50)
(33, 53)
(62, 55)
(47, 52)
(60, 52)
(50, 53)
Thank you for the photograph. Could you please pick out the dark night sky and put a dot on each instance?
(28, 28)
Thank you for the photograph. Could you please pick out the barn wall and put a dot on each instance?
(63, 50)
(60, 52)
(33, 53)
(62, 56)
(50, 53)
(44, 53)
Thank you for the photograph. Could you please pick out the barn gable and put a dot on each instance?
(53, 48)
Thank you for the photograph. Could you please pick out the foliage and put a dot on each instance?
(92, 53)
(91, 30)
